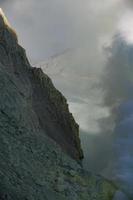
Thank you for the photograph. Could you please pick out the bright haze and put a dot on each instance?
(85, 46)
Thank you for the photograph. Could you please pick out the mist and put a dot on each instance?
(118, 85)
(62, 25)
(86, 48)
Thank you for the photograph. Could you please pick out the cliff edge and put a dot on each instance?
(49, 105)
(39, 141)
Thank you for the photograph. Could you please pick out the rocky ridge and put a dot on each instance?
(39, 142)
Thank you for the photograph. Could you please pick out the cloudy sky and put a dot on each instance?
(48, 27)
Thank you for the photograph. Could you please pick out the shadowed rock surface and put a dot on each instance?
(38, 136)
(48, 103)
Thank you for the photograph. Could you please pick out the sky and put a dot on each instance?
(48, 27)
(85, 46)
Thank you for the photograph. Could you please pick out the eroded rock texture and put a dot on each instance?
(39, 141)
(47, 103)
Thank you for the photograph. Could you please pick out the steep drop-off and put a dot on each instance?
(39, 141)
(48, 103)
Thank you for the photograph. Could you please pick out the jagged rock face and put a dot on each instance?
(38, 135)
(49, 105)
(53, 114)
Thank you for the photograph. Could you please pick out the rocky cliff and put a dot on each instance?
(39, 141)
(47, 103)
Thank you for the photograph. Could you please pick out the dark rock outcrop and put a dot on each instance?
(53, 114)
(48, 103)
(38, 135)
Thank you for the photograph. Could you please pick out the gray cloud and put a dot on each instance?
(118, 87)
(58, 25)
(129, 2)
(117, 80)
(2, 1)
